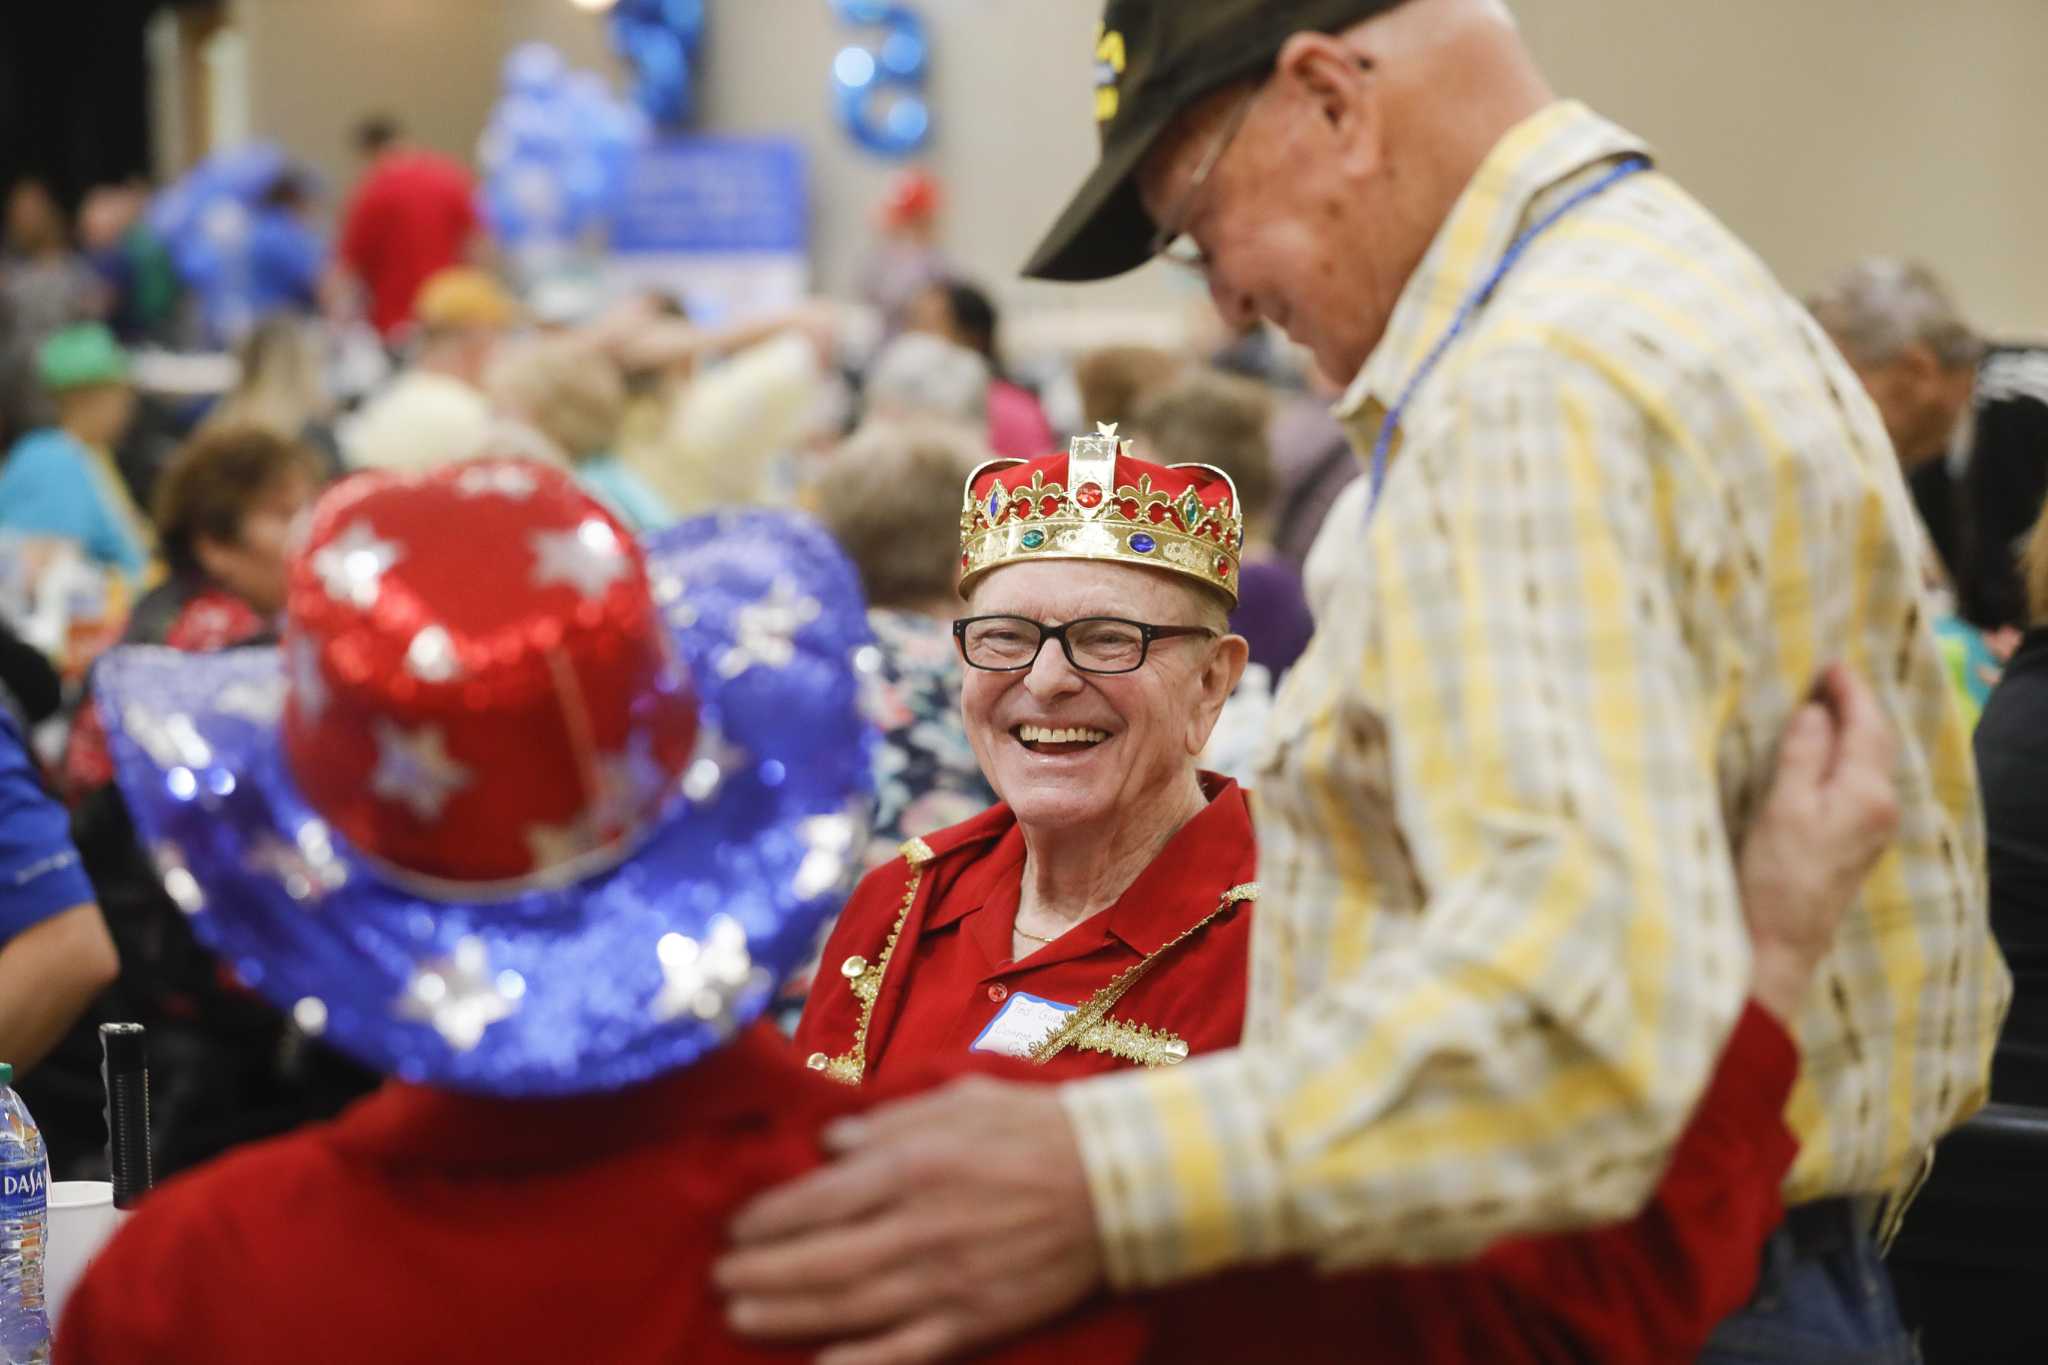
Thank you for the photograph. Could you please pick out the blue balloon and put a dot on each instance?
(903, 55)
(879, 92)
(659, 40)
(533, 68)
(556, 153)
(213, 222)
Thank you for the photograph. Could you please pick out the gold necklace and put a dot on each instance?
(1021, 932)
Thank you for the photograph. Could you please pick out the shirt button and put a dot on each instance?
(998, 992)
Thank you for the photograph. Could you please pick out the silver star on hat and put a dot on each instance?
(414, 769)
(352, 565)
(460, 995)
(703, 978)
(767, 631)
(588, 557)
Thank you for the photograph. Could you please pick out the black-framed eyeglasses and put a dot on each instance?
(1092, 644)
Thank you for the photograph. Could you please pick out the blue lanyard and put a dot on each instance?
(1472, 304)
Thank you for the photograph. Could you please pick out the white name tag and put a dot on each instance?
(1021, 1025)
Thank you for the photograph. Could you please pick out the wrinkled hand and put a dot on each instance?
(948, 1221)
(1831, 812)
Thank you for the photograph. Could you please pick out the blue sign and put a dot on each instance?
(715, 194)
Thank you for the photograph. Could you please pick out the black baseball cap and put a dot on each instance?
(1155, 58)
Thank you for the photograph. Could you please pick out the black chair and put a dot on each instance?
(1971, 1262)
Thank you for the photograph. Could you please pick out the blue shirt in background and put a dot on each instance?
(51, 485)
(40, 875)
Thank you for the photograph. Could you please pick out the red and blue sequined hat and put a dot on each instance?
(517, 808)
(1098, 501)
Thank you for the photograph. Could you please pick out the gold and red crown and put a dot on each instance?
(1098, 501)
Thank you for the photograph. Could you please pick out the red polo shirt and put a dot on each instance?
(950, 981)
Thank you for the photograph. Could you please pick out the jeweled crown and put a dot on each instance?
(1099, 501)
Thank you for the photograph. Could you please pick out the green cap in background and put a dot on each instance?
(82, 354)
(6, 1074)
(1153, 59)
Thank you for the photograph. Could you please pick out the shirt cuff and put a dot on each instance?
(1182, 1179)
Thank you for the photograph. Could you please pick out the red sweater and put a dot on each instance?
(412, 215)
(429, 1227)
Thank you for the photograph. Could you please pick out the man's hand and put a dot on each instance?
(1831, 811)
(948, 1221)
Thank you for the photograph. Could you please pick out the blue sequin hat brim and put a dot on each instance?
(636, 970)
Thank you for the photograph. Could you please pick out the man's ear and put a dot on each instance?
(1337, 84)
(1215, 682)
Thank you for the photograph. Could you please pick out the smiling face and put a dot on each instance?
(1065, 748)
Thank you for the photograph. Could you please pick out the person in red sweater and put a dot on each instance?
(483, 834)
(412, 215)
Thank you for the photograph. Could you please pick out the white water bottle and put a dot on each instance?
(24, 1224)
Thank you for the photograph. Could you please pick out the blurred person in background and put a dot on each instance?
(906, 257)
(2012, 766)
(725, 413)
(288, 268)
(922, 375)
(1971, 1254)
(226, 1067)
(1113, 379)
(411, 216)
(224, 513)
(62, 480)
(55, 952)
(1969, 420)
(891, 497)
(47, 283)
(434, 410)
(44, 286)
(571, 398)
(1207, 417)
(133, 263)
(282, 388)
(965, 316)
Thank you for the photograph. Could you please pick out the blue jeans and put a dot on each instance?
(1822, 1297)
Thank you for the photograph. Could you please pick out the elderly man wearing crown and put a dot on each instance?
(1096, 919)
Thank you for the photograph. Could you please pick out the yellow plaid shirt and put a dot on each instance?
(1638, 507)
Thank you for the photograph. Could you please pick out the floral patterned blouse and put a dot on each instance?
(926, 775)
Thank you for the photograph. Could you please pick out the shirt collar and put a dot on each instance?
(1207, 856)
(1537, 155)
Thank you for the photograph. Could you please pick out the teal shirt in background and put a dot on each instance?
(607, 479)
(51, 485)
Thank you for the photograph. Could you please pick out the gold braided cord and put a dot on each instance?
(864, 978)
(1091, 1029)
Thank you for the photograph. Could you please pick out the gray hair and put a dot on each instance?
(1880, 306)
(890, 495)
(919, 375)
